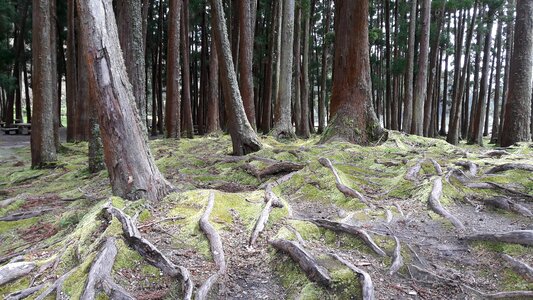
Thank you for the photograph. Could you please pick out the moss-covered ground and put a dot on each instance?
(69, 235)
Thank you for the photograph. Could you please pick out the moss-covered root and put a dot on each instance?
(501, 295)
(56, 286)
(307, 262)
(217, 249)
(24, 293)
(13, 271)
(263, 218)
(367, 288)
(520, 267)
(397, 260)
(434, 203)
(346, 190)
(100, 275)
(150, 253)
(522, 237)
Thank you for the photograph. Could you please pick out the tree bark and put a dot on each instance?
(352, 113)
(243, 137)
(246, 83)
(173, 104)
(408, 100)
(323, 78)
(187, 121)
(516, 123)
(213, 119)
(131, 168)
(43, 146)
(304, 117)
(72, 71)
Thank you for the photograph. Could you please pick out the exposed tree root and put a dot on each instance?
(25, 215)
(56, 286)
(509, 205)
(9, 201)
(271, 200)
(523, 237)
(412, 173)
(437, 167)
(496, 153)
(347, 191)
(501, 295)
(492, 185)
(307, 262)
(161, 221)
(367, 288)
(520, 267)
(100, 275)
(150, 253)
(14, 271)
(282, 167)
(397, 260)
(507, 167)
(217, 249)
(470, 166)
(24, 293)
(434, 203)
(342, 227)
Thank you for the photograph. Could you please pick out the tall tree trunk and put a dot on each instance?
(509, 38)
(27, 93)
(173, 104)
(130, 33)
(417, 123)
(72, 71)
(213, 120)
(297, 71)
(388, 85)
(497, 89)
(476, 131)
(282, 114)
(304, 117)
(324, 76)
(516, 122)
(131, 168)
(352, 114)
(267, 97)
(243, 137)
(187, 105)
(246, 83)
(487, 110)
(43, 146)
(409, 73)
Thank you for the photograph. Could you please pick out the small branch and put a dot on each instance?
(100, 275)
(150, 253)
(520, 267)
(367, 288)
(397, 260)
(306, 261)
(342, 227)
(434, 203)
(14, 271)
(347, 191)
(523, 237)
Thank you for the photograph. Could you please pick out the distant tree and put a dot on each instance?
(352, 113)
(173, 105)
(516, 122)
(132, 170)
(243, 137)
(246, 83)
(408, 99)
(43, 144)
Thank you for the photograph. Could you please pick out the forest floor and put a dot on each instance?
(53, 229)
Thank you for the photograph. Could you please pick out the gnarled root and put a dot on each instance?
(397, 260)
(509, 205)
(434, 203)
(307, 262)
(492, 185)
(100, 275)
(24, 293)
(150, 253)
(347, 191)
(263, 218)
(437, 167)
(507, 167)
(522, 237)
(520, 267)
(14, 271)
(470, 166)
(56, 286)
(217, 249)
(412, 173)
(501, 295)
(342, 227)
(367, 288)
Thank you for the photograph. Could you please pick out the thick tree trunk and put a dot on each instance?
(267, 97)
(130, 32)
(246, 83)
(131, 168)
(43, 146)
(72, 71)
(282, 114)
(408, 99)
(213, 110)
(417, 123)
(297, 71)
(509, 37)
(173, 105)
(516, 123)
(243, 137)
(352, 114)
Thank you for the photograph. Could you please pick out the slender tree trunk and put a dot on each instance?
(243, 137)
(497, 89)
(388, 85)
(246, 83)
(72, 71)
(304, 121)
(188, 128)
(517, 119)
(487, 111)
(297, 71)
(131, 168)
(324, 76)
(352, 114)
(213, 120)
(421, 78)
(282, 114)
(509, 36)
(27, 93)
(173, 103)
(43, 146)
(130, 32)
(267, 97)
(409, 74)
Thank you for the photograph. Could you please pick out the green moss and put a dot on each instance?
(507, 248)
(75, 283)
(14, 286)
(514, 282)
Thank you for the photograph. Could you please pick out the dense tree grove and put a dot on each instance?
(442, 67)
